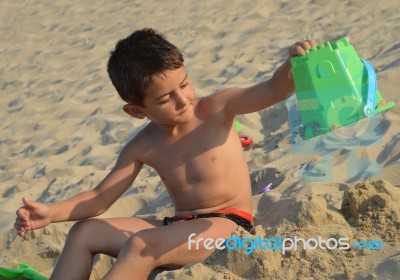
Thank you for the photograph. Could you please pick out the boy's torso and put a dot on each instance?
(204, 169)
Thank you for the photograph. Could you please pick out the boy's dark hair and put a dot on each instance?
(136, 59)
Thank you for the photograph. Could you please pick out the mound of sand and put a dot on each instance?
(369, 211)
(373, 207)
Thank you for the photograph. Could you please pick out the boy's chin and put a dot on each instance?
(183, 120)
(185, 117)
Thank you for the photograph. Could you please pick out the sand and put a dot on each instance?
(62, 126)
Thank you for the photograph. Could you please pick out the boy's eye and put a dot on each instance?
(184, 85)
(165, 100)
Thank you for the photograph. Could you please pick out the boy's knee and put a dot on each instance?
(81, 226)
(82, 231)
(142, 245)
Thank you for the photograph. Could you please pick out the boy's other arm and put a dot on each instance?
(90, 203)
(96, 201)
(239, 101)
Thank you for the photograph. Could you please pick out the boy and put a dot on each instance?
(191, 142)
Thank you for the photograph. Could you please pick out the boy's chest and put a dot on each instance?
(192, 158)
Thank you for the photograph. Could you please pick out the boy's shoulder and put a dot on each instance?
(212, 102)
(141, 141)
(144, 133)
(216, 101)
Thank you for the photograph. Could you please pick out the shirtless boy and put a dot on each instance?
(206, 177)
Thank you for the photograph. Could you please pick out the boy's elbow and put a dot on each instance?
(282, 89)
(101, 204)
(98, 208)
(100, 211)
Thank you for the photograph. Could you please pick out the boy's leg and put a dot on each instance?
(168, 246)
(90, 237)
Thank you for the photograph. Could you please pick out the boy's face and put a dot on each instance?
(168, 99)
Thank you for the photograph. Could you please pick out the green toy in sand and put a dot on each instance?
(23, 271)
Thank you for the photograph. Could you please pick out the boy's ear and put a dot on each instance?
(134, 111)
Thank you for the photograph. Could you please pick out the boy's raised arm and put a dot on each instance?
(239, 101)
(90, 203)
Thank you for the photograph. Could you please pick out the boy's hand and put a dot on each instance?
(299, 48)
(31, 216)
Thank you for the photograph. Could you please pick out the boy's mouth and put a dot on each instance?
(184, 110)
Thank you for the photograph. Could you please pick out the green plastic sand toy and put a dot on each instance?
(334, 88)
(23, 271)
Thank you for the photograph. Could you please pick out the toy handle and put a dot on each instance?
(369, 108)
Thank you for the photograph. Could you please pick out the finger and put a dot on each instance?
(27, 202)
(21, 233)
(297, 50)
(22, 211)
(300, 47)
(312, 43)
(306, 45)
(22, 223)
(23, 214)
(31, 204)
(17, 227)
(21, 228)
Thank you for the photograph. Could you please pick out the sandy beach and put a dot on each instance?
(62, 127)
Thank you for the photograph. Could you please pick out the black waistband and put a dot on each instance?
(244, 223)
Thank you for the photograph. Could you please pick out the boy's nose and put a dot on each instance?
(181, 100)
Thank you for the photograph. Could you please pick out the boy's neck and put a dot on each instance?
(178, 130)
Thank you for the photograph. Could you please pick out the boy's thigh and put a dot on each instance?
(108, 235)
(169, 245)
